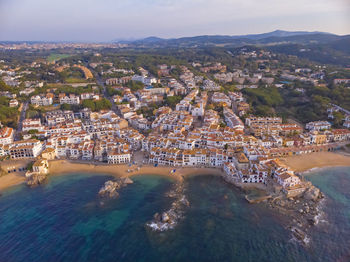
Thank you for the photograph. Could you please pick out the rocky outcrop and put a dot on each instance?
(36, 179)
(169, 219)
(255, 200)
(303, 211)
(110, 188)
(300, 235)
(312, 193)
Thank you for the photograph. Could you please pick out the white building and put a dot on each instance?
(70, 100)
(145, 80)
(318, 125)
(233, 120)
(6, 135)
(286, 179)
(25, 149)
(32, 124)
(221, 98)
(93, 96)
(118, 156)
(13, 103)
(41, 100)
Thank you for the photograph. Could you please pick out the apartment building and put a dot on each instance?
(25, 149)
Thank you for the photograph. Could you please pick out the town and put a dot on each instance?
(179, 115)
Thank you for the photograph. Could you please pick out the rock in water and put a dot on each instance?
(312, 221)
(110, 188)
(165, 217)
(169, 219)
(127, 181)
(299, 234)
(36, 179)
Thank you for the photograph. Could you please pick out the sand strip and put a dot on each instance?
(299, 163)
(306, 162)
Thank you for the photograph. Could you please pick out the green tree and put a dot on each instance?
(4, 87)
(103, 104)
(338, 119)
(88, 103)
(173, 100)
(66, 107)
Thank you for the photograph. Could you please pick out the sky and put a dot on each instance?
(107, 20)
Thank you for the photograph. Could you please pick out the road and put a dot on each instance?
(347, 112)
(22, 116)
(105, 93)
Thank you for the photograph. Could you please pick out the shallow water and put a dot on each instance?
(65, 220)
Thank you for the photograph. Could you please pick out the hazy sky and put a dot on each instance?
(104, 20)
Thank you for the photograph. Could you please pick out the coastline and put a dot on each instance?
(312, 162)
(66, 167)
(10, 180)
(302, 163)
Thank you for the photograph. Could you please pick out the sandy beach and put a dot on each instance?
(11, 180)
(62, 167)
(306, 162)
(65, 167)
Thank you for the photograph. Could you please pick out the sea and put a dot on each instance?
(66, 220)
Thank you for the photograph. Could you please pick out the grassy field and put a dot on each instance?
(56, 57)
(72, 80)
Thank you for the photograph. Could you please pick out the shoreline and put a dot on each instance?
(66, 168)
(303, 164)
(319, 169)
(312, 162)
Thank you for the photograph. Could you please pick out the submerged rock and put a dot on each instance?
(300, 235)
(126, 181)
(169, 219)
(312, 221)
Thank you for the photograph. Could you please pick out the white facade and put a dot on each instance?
(41, 100)
(318, 125)
(70, 100)
(25, 149)
(118, 158)
(6, 135)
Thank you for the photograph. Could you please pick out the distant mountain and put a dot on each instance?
(275, 37)
(342, 44)
(336, 51)
(316, 46)
(279, 33)
(151, 39)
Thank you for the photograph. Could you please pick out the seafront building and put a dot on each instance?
(25, 149)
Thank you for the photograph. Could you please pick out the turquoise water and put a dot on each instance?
(65, 220)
